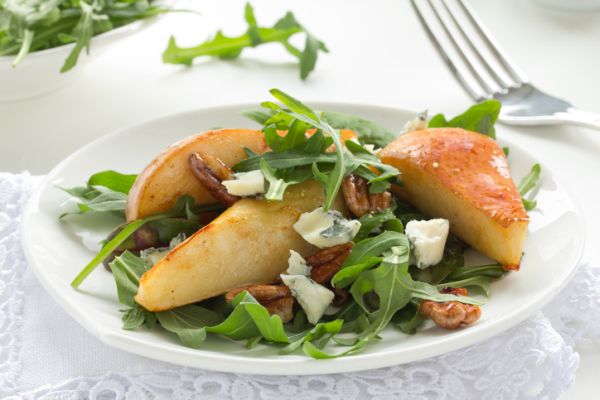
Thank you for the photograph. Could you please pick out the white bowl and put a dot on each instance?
(39, 72)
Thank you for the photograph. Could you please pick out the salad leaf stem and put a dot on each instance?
(184, 204)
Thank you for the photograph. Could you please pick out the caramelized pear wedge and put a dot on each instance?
(248, 244)
(169, 176)
(463, 177)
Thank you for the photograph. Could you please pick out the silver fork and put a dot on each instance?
(485, 75)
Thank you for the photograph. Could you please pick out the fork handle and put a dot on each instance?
(581, 118)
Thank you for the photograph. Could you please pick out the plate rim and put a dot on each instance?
(297, 365)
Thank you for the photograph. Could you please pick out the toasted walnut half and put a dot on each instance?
(218, 167)
(277, 299)
(358, 199)
(210, 180)
(327, 262)
(451, 314)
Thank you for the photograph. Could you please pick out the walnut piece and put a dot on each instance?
(261, 292)
(358, 199)
(210, 180)
(451, 314)
(218, 167)
(327, 262)
(277, 299)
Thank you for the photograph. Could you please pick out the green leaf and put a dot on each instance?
(529, 204)
(480, 118)
(258, 115)
(127, 270)
(288, 159)
(317, 332)
(347, 275)
(253, 32)
(527, 183)
(452, 260)
(296, 106)
(112, 180)
(481, 282)
(372, 222)
(374, 247)
(106, 191)
(249, 319)
(83, 33)
(189, 323)
(229, 48)
(408, 319)
(137, 316)
(133, 318)
(490, 270)
(278, 185)
(295, 137)
(367, 131)
(300, 111)
(308, 59)
(183, 203)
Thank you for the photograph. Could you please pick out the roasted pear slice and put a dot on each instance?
(169, 177)
(464, 177)
(249, 243)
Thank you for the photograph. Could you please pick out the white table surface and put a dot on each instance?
(379, 55)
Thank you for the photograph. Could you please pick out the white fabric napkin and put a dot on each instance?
(46, 355)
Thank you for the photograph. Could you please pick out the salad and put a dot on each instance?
(314, 233)
(33, 25)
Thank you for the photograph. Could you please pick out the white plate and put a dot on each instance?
(56, 255)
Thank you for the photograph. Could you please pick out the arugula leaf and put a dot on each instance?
(112, 180)
(452, 260)
(249, 319)
(374, 247)
(83, 32)
(301, 112)
(347, 275)
(482, 282)
(189, 323)
(105, 191)
(321, 330)
(408, 319)
(278, 185)
(528, 182)
(137, 316)
(490, 270)
(308, 58)
(478, 118)
(372, 222)
(127, 270)
(368, 132)
(183, 204)
(98, 200)
(230, 48)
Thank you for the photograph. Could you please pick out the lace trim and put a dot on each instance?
(530, 361)
(575, 313)
(14, 191)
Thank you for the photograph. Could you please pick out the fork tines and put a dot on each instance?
(468, 49)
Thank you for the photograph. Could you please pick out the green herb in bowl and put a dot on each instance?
(27, 26)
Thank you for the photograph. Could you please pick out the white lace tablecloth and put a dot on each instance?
(46, 355)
